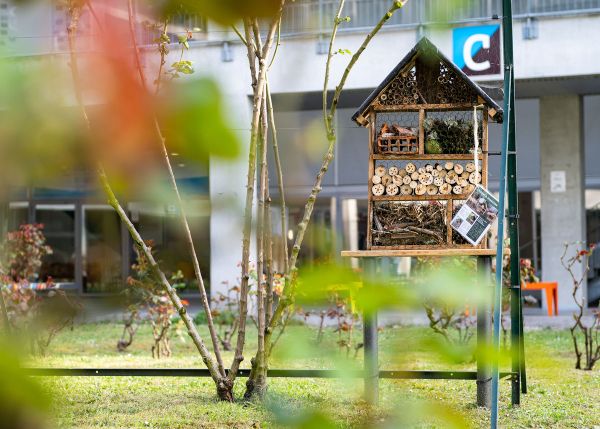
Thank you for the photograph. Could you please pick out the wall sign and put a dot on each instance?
(476, 49)
(558, 181)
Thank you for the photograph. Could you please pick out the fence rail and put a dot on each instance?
(275, 373)
(314, 16)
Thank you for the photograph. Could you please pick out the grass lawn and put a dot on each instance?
(559, 396)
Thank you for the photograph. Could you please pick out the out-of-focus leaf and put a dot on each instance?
(451, 352)
(454, 285)
(194, 122)
(40, 136)
(426, 414)
(225, 12)
(315, 283)
(300, 419)
(23, 403)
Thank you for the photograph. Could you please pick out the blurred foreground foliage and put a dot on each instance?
(23, 402)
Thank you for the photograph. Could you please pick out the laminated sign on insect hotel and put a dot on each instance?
(428, 150)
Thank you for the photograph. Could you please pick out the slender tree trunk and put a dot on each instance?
(279, 171)
(182, 214)
(288, 297)
(257, 382)
(257, 56)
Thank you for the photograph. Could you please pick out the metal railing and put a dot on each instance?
(315, 16)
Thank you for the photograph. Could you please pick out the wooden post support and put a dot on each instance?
(484, 330)
(370, 340)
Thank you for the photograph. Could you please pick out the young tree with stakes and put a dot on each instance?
(270, 316)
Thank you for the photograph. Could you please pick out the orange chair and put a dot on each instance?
(551, 289)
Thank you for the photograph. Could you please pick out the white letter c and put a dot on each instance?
(469, 62)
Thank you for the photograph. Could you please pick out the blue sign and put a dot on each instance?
(476, 50)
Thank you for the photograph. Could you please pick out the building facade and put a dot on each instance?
(558, 98)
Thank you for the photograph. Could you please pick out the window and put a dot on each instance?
(101, 250)
(59, 229)
(163, 227)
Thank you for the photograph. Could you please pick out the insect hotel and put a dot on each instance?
(428, 150)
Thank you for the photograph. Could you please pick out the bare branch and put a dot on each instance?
(74, 13)
(182, 214)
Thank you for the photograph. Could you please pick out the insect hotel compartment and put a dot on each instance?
(400, 223)
(406, 178)
(451, 132)
(398, 133)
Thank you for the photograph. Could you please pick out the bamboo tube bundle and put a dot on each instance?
(414, 178)
(409, 223)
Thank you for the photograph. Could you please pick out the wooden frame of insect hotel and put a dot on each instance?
(428, 150)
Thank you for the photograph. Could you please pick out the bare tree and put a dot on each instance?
(578, 267)
(261, 49)
(257, 381)
(223, 383)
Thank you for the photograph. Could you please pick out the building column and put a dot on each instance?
(227, 204)
(562, 187)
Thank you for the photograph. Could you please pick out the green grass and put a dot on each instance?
(559, 396)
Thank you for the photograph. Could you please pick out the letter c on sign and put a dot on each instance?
(468, 47)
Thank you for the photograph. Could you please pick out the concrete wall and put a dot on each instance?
(563, 210)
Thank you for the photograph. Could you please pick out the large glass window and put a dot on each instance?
(163, 227)
(59, 229)
(101, 250)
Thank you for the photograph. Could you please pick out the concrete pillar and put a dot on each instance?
(350, 217)
(562, 187)
(228, 200)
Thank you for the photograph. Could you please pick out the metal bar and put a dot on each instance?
(506, 134)
(513, 212)
(484, 328)
(371, 346)
(273, 373)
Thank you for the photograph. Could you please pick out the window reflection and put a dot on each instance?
(101, 250)
(163, 227)
(59, 229)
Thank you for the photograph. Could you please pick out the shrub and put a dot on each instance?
(41, 318)
(146, 293)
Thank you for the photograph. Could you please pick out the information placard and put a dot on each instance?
(476, 216)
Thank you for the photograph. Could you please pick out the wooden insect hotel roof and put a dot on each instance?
(425, 78)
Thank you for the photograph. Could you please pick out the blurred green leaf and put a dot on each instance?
(224, 12)
(315, 283)
(40, 137)
(300, 419)
(23, 403)
(194, 122)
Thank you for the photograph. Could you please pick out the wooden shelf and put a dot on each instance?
(416, 156)
(419, 197)
(376, 253)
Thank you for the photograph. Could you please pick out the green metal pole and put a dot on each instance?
(517, 344)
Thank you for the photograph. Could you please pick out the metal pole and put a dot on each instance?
(484, 327)
(370, 341)
(517, 344)
(499, 259)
